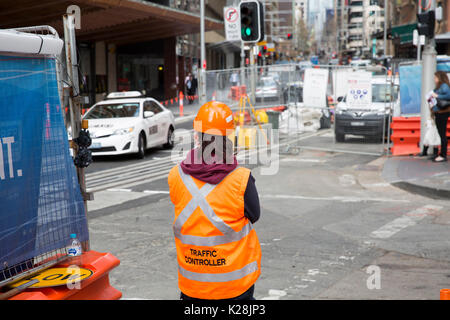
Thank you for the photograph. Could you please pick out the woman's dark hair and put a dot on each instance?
(219, 147)
(442, 78)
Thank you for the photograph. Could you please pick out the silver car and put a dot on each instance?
(268, 89)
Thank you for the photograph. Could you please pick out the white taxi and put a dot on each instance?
(127, 122)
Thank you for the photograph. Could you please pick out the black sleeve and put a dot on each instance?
(251, 201)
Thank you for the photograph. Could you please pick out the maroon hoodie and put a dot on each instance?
(209, 173)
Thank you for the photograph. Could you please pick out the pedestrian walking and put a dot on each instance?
(216, 204)
(190, 87)
(441, 111)
(234, 79)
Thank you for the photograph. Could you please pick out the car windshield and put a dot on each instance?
(267, 82)
(384, 93)
(119, 110)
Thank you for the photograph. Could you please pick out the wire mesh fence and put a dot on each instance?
(41, 200)
(337, 108)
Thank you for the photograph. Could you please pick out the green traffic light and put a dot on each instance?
(248, 31)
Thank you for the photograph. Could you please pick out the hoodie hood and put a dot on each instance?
(210, 173)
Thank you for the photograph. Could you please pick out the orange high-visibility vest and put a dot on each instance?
(218, 251)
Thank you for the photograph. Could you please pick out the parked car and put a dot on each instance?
(368, 120)
(127, 122)
(360, 63)
(268, 89)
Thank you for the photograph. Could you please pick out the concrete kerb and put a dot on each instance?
(184, 119)
(414, 176)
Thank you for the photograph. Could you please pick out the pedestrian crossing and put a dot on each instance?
(131, 175)
(157, 168)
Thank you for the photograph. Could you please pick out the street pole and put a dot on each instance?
(242, 64)
(428, 68)
(385, 27)
(253, 74)
(202, 92)
(419, 46)
(74, 100)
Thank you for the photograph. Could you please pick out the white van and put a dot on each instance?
(369, 120)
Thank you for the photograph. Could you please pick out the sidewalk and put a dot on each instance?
(419, 175)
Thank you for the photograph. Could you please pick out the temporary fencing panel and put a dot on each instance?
(41, 203)
(313, 118)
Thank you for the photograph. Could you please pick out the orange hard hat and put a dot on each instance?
(214, 118)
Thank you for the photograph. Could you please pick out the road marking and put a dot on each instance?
(335, 198)
(302, 160)
(156, 192)
(347, 180)
(275, 294)
(105, 199)
(119, 190)
(409, 219)
(376, 185)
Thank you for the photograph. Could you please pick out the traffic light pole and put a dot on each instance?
(202, 93)
(428, 69)
(253, 74)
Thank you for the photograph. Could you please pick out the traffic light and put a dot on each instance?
(426, 21)
(289, 36)
(252, 21)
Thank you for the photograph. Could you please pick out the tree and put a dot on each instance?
(303, 38)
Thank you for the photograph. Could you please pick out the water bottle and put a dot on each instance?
(74, 250)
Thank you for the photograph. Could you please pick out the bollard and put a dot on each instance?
(445, 294)
(181, 104)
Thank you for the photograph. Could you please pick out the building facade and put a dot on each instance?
(130, 44)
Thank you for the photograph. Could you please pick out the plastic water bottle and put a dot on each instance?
(74, 250)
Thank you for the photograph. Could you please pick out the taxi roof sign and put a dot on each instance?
(124, 94)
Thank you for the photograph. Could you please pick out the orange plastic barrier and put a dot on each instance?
(96, 287)
(237, 92)
(279, 108)
(406, 135)
(445, 294)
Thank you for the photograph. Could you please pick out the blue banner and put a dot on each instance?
(41, 203)
(411, 86)
(410, 89)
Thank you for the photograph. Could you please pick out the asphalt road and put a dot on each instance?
(330, 228)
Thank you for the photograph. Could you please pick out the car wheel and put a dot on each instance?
(340, 137)
(141, 147)
(170, 139)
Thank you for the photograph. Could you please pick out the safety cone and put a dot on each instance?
(445, 294)
(181, 104)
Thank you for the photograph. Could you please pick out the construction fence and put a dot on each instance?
(329, 107)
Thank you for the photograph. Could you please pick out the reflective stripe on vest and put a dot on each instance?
(220, 277)
(229, 235)
(198, 200)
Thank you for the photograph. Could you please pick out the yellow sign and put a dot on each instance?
(262, 43)
(57, 277)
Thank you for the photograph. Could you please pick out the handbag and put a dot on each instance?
(432, 137)
(442, 104)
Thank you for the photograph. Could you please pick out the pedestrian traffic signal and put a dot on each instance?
(426, 22)
(289, 36)
(252, 21)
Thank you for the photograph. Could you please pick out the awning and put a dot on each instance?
(114, 21)
(404, 32)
